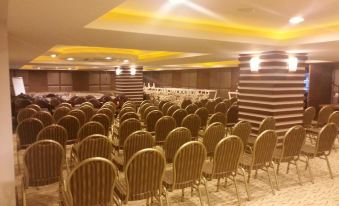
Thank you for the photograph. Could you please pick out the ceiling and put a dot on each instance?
(163, 36)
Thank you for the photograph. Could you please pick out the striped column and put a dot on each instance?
(272, 91)
(130, 85)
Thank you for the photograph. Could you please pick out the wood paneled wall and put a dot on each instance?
(65, 81)
(221, 79)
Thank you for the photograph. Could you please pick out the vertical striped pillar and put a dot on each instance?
(130, 85)
(272, 91)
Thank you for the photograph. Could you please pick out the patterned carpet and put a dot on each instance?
(324, 192)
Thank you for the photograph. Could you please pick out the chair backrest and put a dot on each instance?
(72, 125)
(187, 164)
(293, 141)
(126, 128)
(185, 103)
(110, 107)
(35, 107)
(60, 112)
(190, 109)
(220, 107)
(217, 117)
(172, 109)
(129, 104)
(227, 104)
(232, 114)
(145, 101)
(210, 105)
(80, 115)
(202, 112)
(233, 100)
(143, 108)
(152, 119)
(267, 124)
(213, 134)
(87, 104)
(28, 130)
(263, 148)
(128, 115)
(242, 130)
(95, 145)
(193, 123)
(324, 115)
(174, 140)
(88, 110)
(108, 113)
(65, 104)
(218, 100)
(25, 114)
(43, 163)
(92, 182)
(226, 156)
(326, 138)
(90, 128)
(166, 106)
(102, 119)
(45, 117)
(309, 115)
(54, 132)
(148, 110)
(125, 110)
(334, 118)
(204, 102)
(179, 115)
(163, 127)
(135, 142)
(161, 104)
(144, 172)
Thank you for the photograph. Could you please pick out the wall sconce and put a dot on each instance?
(255, 64)
(133, 70)
(118, 71)
(292, 64)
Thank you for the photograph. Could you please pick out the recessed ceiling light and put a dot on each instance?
(70, 59)
(177, 1)
(126, 61)
(53, 55)
(108, 58)
(69, 68)
(296, 20)
(38, 67)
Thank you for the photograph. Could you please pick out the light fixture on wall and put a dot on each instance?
(292, 63)
(176, 1)
(70, 59)
(255, 64)
(133, 70)
(53, 55)
(118, 71)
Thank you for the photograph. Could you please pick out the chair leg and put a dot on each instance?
(249, 176)
(166, 196)
(182, 194)
(275, 176)
(298, 172)
(218, 184)
(246, 186)
(199, 192)
(256, 174)
(278, 167)
(288, 167)
(329, 166)
(236, 190)
(269, 178)
(208, 196)
(309, 168)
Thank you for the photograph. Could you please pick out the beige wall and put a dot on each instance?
(7, 180)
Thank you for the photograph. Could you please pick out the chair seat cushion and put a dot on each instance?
(246, 160)
(207, 170)
(308, 149)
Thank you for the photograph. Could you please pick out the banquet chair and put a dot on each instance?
(220, 107)
(111, 107)
(308, 117)
(163, 127)
(88, 110)
(108, 113)
(27, 132)
(54, 132)
(87, 104)
(225, 162)
(187, 169)
(45, 117)
(218, 100)
(126, 128)
(185, 103)
(148, 110)
(152, 119)
(193, 123)
(232, 117)
(172, 109)
(213, 134)
(143, 177)
(242, 130)
(267, 123)
(290, 151)
(161, 104)
(80, 115)
(91, 182)
(72, 125)
(191, 108)
(65, 104)
(134, 142)
(145, 102)
(43, 162)
(174, 140)
(90, 128)
(217, 117)
(25, 113)
(104, 120)
(323, 116)
(261, 156)
(60, 112)
(322, 148)
(166, 106)
(233, 100)
(203, 114)
(179, 115)
(35, 107)
(142, 109)
(210, 105)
